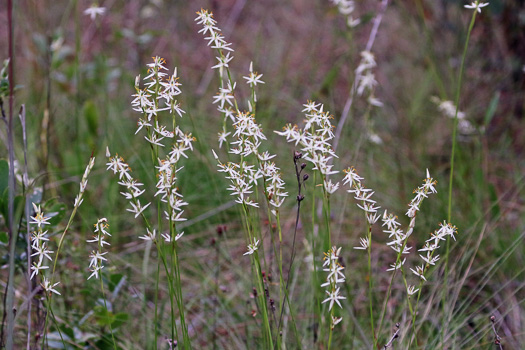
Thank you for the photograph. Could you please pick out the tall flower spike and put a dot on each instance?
(39, 243)
(335, 276)
(97, 256)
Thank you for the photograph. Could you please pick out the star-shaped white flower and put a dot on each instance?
(476, 5)
(48, 287)
(252, 247)
(93, 11)
(333, 296)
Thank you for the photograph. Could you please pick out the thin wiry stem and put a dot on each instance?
(450, 184)
(11, 187)
(22, 116)
(300, 198)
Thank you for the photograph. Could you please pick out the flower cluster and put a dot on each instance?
(365, 78)
(243, 176)
(225, 97)
(97, 256)
(248, 135)
(134, 191)
(431, 245)
(160, 87)
(398, 237)
(315, 138)
(41, 250)
(362, 194)
(448, 108)
(215, 39)
(346, 8)
(335, 276)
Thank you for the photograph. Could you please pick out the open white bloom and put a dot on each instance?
(39, 219)
(149, 236)
(477, 5)
(94, 10)
(333, 297)
(365, 243)
(167, 237)
(419, 271)
(252, 247)
(411, 290)
(394, 267)
(48, 287)
(137, 208)
(253, 79)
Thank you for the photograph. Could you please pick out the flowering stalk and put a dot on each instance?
(77, 203)
(364, 195)
(400, 239)
(315, 141)
(431, 245)
(96, 262)
(315, 138)
(161, 95)
(225, 99)
(476, 6)
(39, 245)
(244, 175)
(335, 276)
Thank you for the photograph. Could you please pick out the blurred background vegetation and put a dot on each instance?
(75, 77)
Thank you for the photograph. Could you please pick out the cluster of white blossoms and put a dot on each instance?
(134, 191)
(39, 244)
(39, 240)
(243, 175)
(335, 276)
(314, 139)
(448, 109)
(226, 96)
(362, 194)
(431, 244)
(398, 237)
(248, 135)
(346, 8)
(159, 95)
(420, 194)
(365, 78)
(215, 38)
(97, 256)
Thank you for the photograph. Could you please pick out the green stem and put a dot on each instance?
(370, 284)
(450, 184)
